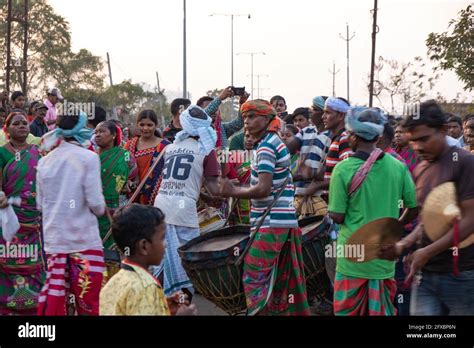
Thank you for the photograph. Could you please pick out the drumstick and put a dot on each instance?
(142, 183)
(139, 188)
(235, 204)
(231, 210)
(260, 223)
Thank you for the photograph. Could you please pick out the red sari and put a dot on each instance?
(144, 160)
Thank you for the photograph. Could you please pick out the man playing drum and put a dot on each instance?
(367, 288)
(273, 273)
(188, 161)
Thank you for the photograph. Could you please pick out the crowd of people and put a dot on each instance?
(92, 185)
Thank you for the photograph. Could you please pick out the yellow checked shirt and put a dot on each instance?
(133, 291)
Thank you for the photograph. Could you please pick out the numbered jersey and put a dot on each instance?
(181, 183)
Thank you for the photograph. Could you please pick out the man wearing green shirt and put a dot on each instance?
(367, 288)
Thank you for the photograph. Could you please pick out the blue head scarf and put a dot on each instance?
(319, 102)
(81, 134)
(337, 104)
(367, 123)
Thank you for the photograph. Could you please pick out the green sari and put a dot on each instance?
(22, 274)
(117, 167)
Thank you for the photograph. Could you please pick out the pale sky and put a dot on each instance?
(300, 39)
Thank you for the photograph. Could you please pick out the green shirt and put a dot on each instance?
(387, 188)
(237, 142)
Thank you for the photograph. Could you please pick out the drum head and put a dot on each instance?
(310, 224)
(218, 243)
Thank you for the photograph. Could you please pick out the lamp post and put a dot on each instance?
(232, 16)
(252, 54)
(185, 86)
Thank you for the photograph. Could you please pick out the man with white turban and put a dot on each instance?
(369, 185)
(334, 116)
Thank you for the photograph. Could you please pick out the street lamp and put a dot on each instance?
(185, 73)
(231, 15)
(251, 65)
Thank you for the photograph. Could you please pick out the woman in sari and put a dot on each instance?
(145, 148)
(241, 213)
(22, 274)
(118, 171)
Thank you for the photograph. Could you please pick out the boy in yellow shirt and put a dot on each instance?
(139, 232)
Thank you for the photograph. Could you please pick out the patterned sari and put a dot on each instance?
(22, 273)
(409, 156)
(243, 207)
(144, 159)
(118, 166)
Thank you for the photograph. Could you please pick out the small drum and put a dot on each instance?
(315, 236)
(310, 206)
(210, 219)
(112, 260)
(209, 260)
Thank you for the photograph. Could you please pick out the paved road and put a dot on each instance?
(205, 307)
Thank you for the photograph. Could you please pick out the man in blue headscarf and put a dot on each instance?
(317, 111)
(367, 186)
(69, 195)
(333, 117)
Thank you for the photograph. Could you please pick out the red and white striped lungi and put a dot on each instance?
(73, 281)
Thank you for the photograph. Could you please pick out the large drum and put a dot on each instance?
(209, 260)
(315, 237)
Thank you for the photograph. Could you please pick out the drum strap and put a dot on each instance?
(363, 171)
(260, 223)
(139, 188)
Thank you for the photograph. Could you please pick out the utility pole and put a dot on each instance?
(158, 83)
(375, 30)
(110, 70)
(185, 84)
(9, 36)
(160, 94)
(114, 109)
(347, 39)
(25, 48)
(251, 67)
(258, 83)
(333, 72)
(232, 16)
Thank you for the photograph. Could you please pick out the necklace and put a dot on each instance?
(18, 149)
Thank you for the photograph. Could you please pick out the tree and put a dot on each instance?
(127, 96)
(157, 101)
(50, 59)
(455, 50)
(80, 70)
(404, 83)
